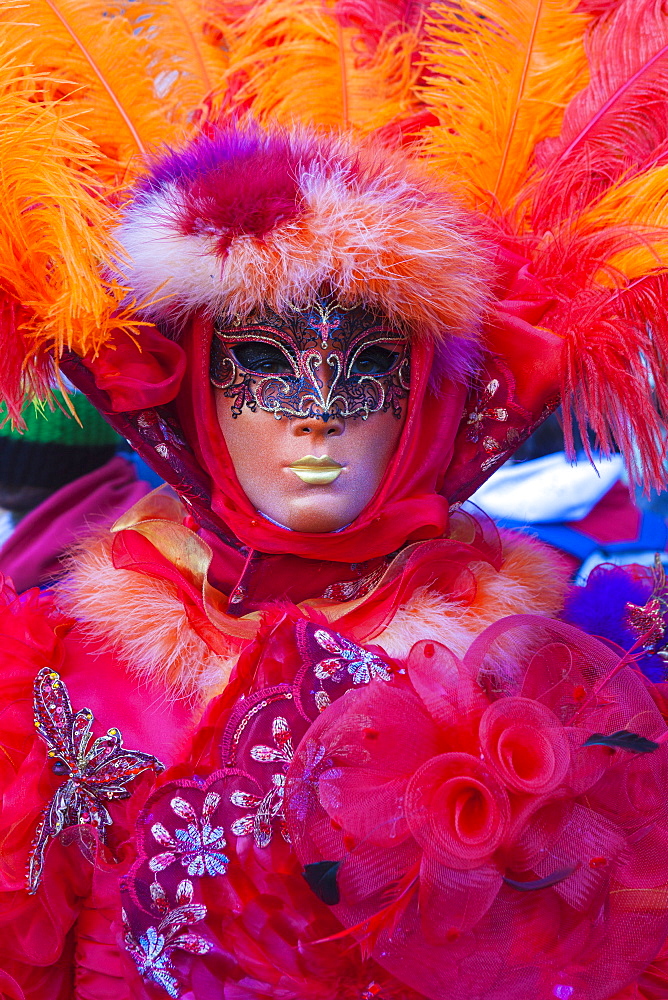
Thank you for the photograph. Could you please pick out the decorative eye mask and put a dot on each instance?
(322, 361)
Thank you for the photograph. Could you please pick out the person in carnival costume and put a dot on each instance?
(304, 726)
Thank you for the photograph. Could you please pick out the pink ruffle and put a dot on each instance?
(486, 853)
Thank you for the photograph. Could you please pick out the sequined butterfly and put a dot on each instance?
(95, 774)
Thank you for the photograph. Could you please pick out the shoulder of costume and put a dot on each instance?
(166, 622)
(532, 578)
(141, 589)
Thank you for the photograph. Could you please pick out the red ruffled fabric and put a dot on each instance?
(484, 850)
(61, 943)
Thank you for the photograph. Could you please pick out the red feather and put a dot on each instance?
(17, 378)
(598, 8)
(386, 919)
(618, 125)
(615, 361)
(615, 358)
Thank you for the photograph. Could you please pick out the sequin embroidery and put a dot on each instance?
(198, 846)
(95, 774)
(268, 808)
(348, 658)
(648, 621)
(152, 950)
(240, 807)
(320, 375)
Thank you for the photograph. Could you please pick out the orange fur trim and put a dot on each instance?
(532, 580)
(145, 623)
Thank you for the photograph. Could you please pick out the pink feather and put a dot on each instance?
(615, 357)
(373, 18)
(618, 125)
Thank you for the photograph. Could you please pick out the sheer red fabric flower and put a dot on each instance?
(456, 810)
(497, 822)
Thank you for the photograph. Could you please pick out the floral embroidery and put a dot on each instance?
(152, 952)
(269, 807)
(350, 590)
(317, 768)
(322, 700)
(95, 774)
(482, 411)
(198, 846)
(359, 663)
(283, 749)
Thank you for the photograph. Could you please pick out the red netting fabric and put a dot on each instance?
(485, 852)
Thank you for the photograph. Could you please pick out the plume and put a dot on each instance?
(598, 7)
(497, 76)
(617, 127)
(299, 61)
(598, 211)
(53, 240)
(134, 72)
(555, 116)
(614, 370)
(373, 18)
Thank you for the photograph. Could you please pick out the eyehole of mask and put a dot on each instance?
(264, 359)
(374, 360)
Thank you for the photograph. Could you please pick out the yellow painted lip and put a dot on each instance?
(316, 471)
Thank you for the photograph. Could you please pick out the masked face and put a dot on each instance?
(311, 405)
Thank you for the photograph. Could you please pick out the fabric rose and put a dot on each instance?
(525, 744)
(495, 820)
(377, 750)
(456, 810)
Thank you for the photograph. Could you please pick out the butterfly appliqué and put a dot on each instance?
(95, 774)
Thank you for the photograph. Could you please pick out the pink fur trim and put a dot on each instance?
(364, 221)
(145, 623)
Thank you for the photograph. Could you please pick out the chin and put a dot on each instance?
(320, 513)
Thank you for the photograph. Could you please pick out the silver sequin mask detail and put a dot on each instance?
(323, 361)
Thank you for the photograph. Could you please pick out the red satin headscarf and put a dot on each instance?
(408, 505)
(444, 453)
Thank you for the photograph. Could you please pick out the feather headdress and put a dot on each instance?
(548, 118)
(250, 218)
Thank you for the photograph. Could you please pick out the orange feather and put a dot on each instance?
(498, 76)
(297, 61)
(134, 72)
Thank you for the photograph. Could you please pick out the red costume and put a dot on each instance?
(246, 760)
